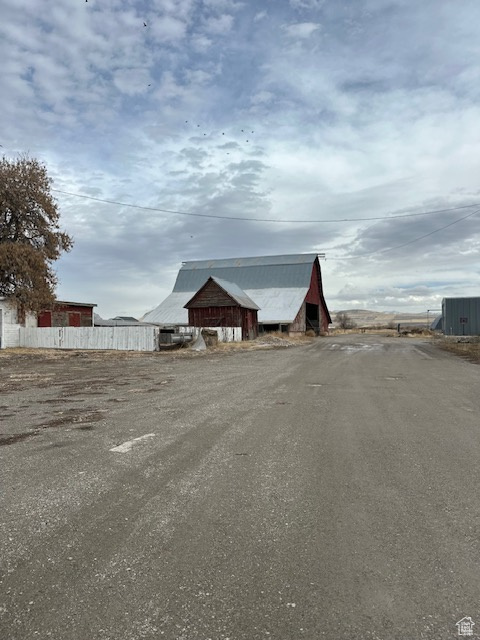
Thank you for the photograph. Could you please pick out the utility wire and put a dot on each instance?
(275, 220)
(405, 244)
(426, 235)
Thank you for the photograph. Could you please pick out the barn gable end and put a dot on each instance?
(219, 303)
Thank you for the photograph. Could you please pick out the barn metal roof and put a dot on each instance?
(171, 310)
(276, 284)
(276, 306)
(236, 293)
(262, 272)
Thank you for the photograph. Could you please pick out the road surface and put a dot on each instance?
(325, 491)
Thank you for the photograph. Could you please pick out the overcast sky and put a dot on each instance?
(316, 111)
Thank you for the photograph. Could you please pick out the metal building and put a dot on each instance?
(287, 289)
(461, 316)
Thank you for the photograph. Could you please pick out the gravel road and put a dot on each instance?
(323, 491)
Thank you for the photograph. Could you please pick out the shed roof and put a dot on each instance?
(116, 322)
(126, 318)
(75, 304)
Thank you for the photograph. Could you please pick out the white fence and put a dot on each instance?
(11, 337)
(120, 338)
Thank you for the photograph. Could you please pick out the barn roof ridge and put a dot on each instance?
(252, 261)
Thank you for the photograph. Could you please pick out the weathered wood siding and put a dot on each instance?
(66, 315)
(213, 307)
(314, 296)
(118, 338)
(215, 316)
(225, 317)
(298, 325)
(211, 296)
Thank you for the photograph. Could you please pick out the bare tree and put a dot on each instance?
(344, 321)
(30, 236)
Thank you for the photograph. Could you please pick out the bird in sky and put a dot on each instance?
(144, 24)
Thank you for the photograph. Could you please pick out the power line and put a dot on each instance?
(405, 244)
(426, 235)
(247, 219)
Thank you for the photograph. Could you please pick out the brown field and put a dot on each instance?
(271, 340)
(410, 332)
(468, 350)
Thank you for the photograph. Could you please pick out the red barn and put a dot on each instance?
(67, 314)
(219, 303)
(287, 289)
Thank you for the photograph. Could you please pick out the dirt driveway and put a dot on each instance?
(329, 490)
(73, 390)
(41, 390)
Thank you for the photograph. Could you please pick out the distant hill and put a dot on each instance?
(366, 318)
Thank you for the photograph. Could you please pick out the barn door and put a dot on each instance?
(73, 319)
(312, 319)
(44, 319)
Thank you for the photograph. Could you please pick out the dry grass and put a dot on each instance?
(468, 350)
(272, 340)
(389, 333)
(63, 354)
(366, 331)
